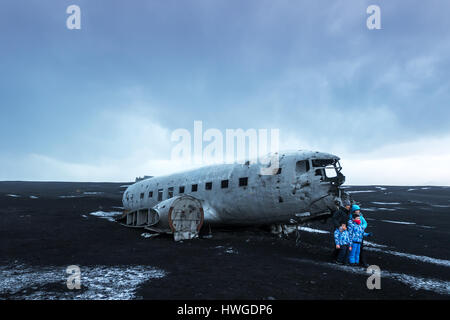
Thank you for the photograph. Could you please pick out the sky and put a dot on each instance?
(101, 103)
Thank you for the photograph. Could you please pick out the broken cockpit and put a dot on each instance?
(329, 170)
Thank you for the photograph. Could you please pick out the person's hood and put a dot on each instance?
(354, 208)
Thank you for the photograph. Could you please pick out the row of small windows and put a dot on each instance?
(243, 182)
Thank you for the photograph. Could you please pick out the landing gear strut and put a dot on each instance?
(297, 235)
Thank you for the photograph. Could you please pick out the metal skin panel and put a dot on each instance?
(266, 199)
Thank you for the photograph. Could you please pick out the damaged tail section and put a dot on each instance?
(181, 216)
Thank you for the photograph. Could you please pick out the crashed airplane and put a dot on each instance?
(304, 185)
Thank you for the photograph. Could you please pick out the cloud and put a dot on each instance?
(38, 167)
(419, 162)
(422, 161)
(401, 170)
(115, 146)
(312, 70)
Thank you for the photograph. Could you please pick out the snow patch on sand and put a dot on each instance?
(97, 282)
(427, 227)
(148, 235)
(373, 244)
(34, 197)
(440, 262)
(399, 222)
(360, 191)
(13, 195)
(106, 215)
(416, 201)
(312, 230)
(387, 209)
(416, 283)
(230, 250)
(386, 203)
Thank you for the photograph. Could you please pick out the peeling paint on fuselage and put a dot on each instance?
(266, 199)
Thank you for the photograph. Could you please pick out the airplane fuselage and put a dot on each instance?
(239, 194)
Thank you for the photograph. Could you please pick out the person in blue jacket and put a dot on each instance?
(339, 217)
(342, 241)
(356, 210)
(356, 227)
(362, 255)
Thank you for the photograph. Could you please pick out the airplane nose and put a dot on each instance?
(338, 180)
(322, 204)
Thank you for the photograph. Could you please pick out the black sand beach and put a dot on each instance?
(45, 227)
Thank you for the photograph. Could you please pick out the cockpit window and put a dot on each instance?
(328, 168)
(321, 163)
(330, 172)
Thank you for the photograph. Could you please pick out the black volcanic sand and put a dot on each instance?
(233, 264)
